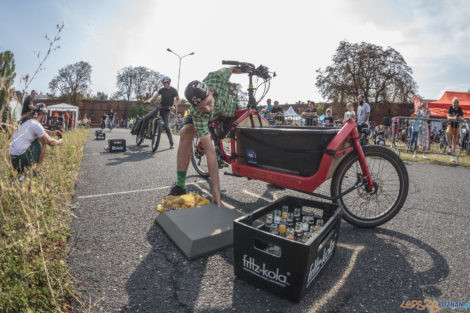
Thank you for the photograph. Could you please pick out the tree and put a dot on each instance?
(7, 76)
(154, 83)
(141, 81)
(72, 82)
(101, 96)
(125, 81)
(381, 75)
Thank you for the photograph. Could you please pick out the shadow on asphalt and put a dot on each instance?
(377, 277)
(134, 154)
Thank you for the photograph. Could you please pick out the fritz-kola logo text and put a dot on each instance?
(249, 265)
(319, 262)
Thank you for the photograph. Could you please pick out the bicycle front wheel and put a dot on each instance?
(156, 134)
(198, 158)
(371, 209)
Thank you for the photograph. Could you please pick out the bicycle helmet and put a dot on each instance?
(166, 79)
(196, 91)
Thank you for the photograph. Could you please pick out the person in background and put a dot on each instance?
(28, 104)
(111, 119)
(423, 136)
(85, 122)
(67, 120)
(72, 121)
(363, 113)
(310, 114)
(328, 121)
(267, 109)
(277, 114)
(454, 115)
(28, 143)
(103, 121)
(414, 126)
(349, 114)
(380, 139)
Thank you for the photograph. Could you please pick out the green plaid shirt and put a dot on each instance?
(225, 95)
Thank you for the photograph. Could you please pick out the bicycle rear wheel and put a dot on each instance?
(156, 134)
(363, 209)
(198, 158)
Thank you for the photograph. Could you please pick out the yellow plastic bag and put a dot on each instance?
(188, 200)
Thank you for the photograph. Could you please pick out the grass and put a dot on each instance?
(432, 158)
(34, 227)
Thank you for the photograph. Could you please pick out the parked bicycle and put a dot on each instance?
(369, 182)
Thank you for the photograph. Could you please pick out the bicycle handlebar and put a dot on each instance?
(236, 63)
(260, 71)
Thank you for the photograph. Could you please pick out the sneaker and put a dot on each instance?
(449, 151)
(172, 146)
(425, 157)
(177, 191)
(415, 156)
(451, 158)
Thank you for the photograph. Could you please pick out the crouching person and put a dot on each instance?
(29, 142)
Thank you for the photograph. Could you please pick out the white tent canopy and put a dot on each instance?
(62, 107)
(291, 112)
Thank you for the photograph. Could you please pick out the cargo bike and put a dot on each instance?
(369, 182)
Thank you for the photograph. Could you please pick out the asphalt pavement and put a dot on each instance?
(123, 261)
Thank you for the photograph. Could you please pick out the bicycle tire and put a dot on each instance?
(197, 158)
(156, 134)
(351, 164)
(138, 139)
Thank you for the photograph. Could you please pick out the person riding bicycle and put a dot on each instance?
(169, 99)
(210, 99)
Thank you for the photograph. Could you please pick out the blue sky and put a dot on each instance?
(293, 38)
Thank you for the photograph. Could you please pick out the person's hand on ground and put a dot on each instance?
(216, 199)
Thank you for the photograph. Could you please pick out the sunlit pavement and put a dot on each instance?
(124, 262)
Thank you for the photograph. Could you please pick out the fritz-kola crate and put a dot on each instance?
(116, 145)
(282, 266)
(100, 135)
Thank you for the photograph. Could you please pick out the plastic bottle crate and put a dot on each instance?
(290, 273)
(116, 145)
(100, 135)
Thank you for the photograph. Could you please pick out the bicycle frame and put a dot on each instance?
(295, 182)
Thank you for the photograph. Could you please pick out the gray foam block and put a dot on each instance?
(199, 230)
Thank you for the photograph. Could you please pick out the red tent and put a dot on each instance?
(441, 106)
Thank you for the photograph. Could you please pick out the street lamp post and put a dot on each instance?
(179, 68)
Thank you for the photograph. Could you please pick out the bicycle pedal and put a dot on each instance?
(222, 164)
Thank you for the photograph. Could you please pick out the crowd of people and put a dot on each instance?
(28, 143)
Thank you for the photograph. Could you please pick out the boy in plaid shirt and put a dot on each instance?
(212, 98)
